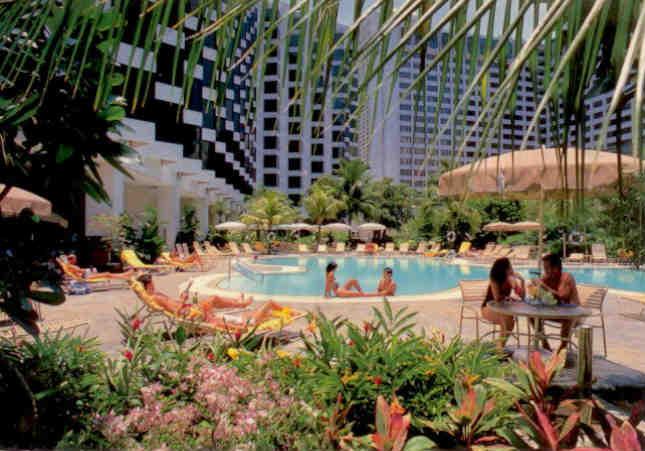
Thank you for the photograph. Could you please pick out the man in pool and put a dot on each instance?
(562, 286)
(387, 285)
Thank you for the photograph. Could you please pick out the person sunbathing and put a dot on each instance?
(183, 304)
(351, 288)
(90, 273)
(174, 257)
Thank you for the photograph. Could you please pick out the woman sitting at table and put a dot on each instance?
(505, 285)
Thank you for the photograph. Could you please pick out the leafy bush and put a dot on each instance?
(189, 227)
(143, 235)
(64, 374)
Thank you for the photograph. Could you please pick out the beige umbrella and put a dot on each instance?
(337, 227)
(536, 174)
(295, 227)
(18, 199)
(372, 227)
(497, 227)
(232, 226)
(525, 226)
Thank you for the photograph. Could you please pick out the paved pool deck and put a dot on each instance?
(625, 335)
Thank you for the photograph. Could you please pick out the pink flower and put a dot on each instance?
(377, 380)
(128, 355)
(136, 323)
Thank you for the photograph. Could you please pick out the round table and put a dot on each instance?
(540, 312)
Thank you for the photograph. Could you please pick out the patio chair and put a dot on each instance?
(322, 249)
(131, 260)
(246, 248)
(389, 247)
(473, 294)
(209, 260)
(404, 248)
(94, 284)
(598, 253)
(303, 249)
(340, 247)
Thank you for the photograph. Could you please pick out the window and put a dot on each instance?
(294, 110)
(317, 167)
(295, 198)
(293, 75)
(294, 164)
(317, 132)
(270, 161)
(294, 182)
(270, 87)
(294, 128)
(270, 123)
(271, 180)
(317, 149)
(271, 105)
(335, 152)
(272, 69)
(294, 146)
(270, 142)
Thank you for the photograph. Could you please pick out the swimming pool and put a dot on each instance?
(413, 275)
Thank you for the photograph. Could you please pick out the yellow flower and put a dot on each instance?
(233, 353)
(348, 377)
(282, 354)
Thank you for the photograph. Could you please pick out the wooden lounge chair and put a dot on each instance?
(340, 247)
(360, 248)
(322, 249)
(576, 257)
(94, 284)
(212, 250)
(389, 247)
(166, 259)
(208, 259)
(246, 248)
(191, 319)
(598, 253)
(521, 253)
(131, 260)
(304, 249)
(404, 248)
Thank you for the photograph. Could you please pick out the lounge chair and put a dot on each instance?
(576, 257)
(212, 250)
(389, 247)
(304, 249)
(260, 248)
(421, 247)
(521, 253)
(464, 248)
(488, 249)
(166, 259)
(209, 260)
(434, 251)
(360, 248)
(94, 284)
(404, 248)
(598, 253)
(246, 248)
(191, 319)
(340, 247)
(322, 249)
(235, 250)
(372, 248)
(504, 251)
(131, 260)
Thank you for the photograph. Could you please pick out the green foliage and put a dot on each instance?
(321, 206)
(395, 203)
(64, 374)
(267, 208)
(142, 234)
(189, 226)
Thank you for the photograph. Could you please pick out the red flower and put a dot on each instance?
(350, 342)
(367, 327)
(377, 380)
(136, 323)
(297, 362)
(210, 356)
(128, 355)
(237, 335)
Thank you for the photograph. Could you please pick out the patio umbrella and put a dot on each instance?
(536, 174)
(231, 226)
(525, 226)
(295, 227)
(372, 227)
(18, 199)
(497, 227)
(336, 227)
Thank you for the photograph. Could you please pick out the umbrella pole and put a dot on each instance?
(541, 231)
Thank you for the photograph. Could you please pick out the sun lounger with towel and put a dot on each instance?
(303, 249)
(322, 249)
(598, 253)
(340, 247)
(464, 248)
(94, 283)
(404, 248)
(389, 247)
(360, 248)
(131, 260)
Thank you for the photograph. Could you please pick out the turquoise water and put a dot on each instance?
(412, 275)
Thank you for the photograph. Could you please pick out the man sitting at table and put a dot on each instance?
(562, 286)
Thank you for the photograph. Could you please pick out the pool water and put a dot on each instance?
(413, 275)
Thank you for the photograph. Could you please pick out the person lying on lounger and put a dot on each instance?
(90, 274)
(241, 321)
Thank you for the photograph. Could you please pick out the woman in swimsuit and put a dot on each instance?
(351, 288)
(505, 285)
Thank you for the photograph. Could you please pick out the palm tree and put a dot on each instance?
(267, 208)
(353, 184)
(322, 205)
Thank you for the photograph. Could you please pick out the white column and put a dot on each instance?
(202, 213)
(169, 209)
(114, 185)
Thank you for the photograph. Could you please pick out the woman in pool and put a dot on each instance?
(505, 285)
(351, 288)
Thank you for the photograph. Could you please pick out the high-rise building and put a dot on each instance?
(300, 133)
(184, 156)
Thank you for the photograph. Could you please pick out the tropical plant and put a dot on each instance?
(395, 203)
(142, 234)
(322, 205)
(353, 184)
(189, 226)
(267, 208)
